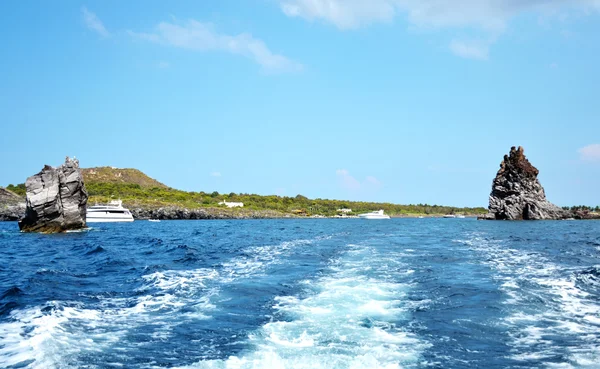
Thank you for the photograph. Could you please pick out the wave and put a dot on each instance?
(553, 316)
(96, 250)
(57, 333)
(350, 318)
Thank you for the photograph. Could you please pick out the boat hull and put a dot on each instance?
(374, 215)
(108, 217)
(93, 219)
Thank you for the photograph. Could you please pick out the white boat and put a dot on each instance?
(154, 220)
(111, 213)
(374, 215)
(449, 216)
(460, 216)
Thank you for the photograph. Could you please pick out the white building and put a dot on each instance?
(232, 204)
(345, 211)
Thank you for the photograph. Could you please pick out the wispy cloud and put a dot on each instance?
(470, 49)
(350, 183)
(347, 181)
(198, 36)
(488, 16)
(590, 153)
(93, 23)
(215, 174)
(345, 14)
(373, 181)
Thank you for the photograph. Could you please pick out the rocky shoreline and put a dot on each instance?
(12, 206)
(15, 211)
(176, 213)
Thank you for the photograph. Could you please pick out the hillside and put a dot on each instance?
(12, 206)
(119, 175)
(8, 197)
(141, 192)
(136, 189)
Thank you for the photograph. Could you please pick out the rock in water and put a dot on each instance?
(517, 194)
(56, 199)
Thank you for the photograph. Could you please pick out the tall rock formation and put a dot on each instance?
(517, 194)
(56, 199)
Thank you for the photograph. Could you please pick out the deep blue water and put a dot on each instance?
(403, 293)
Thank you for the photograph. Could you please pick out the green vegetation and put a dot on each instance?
(138, 190)
(18, 189)
(119, 175)
(134, 194)
(583, 208)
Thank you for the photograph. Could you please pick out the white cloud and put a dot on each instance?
(470, 49)
(92, 22)
(215, 174)
(345, 14)
(488, 16)
(348, 182)
(485, 14)
(194, 35)
(590, 152)
(373, 181)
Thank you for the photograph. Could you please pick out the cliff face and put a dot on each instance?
(56, 199)
(517, 194)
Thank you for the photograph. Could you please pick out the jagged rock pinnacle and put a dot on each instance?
(56, 199)
(517, 194)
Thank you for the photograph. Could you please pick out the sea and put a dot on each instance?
(303, 293)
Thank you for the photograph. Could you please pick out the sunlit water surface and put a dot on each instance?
(403, 293)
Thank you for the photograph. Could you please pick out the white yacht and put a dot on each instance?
(111, 213)
(374, 215)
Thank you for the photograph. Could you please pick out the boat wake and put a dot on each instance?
(553, 310)
(60, 333)
(354, 316)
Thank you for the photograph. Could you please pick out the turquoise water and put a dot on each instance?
(403, 293)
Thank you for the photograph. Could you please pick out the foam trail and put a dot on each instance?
(351, 318)
(53, 335)
(551, 316)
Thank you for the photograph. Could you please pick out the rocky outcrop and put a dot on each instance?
(56, 199)
(517, 194)
(176, 213)
(12, 206)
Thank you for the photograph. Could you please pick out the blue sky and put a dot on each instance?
(402, 101)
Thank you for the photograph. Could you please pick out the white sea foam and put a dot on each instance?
(48, 339)
(545, 303)
(44, 338)
(349, 318)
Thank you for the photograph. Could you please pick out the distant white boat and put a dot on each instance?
(374, 215)
(154, 220)
(461, 216)
(449, 216)
(114, 212)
